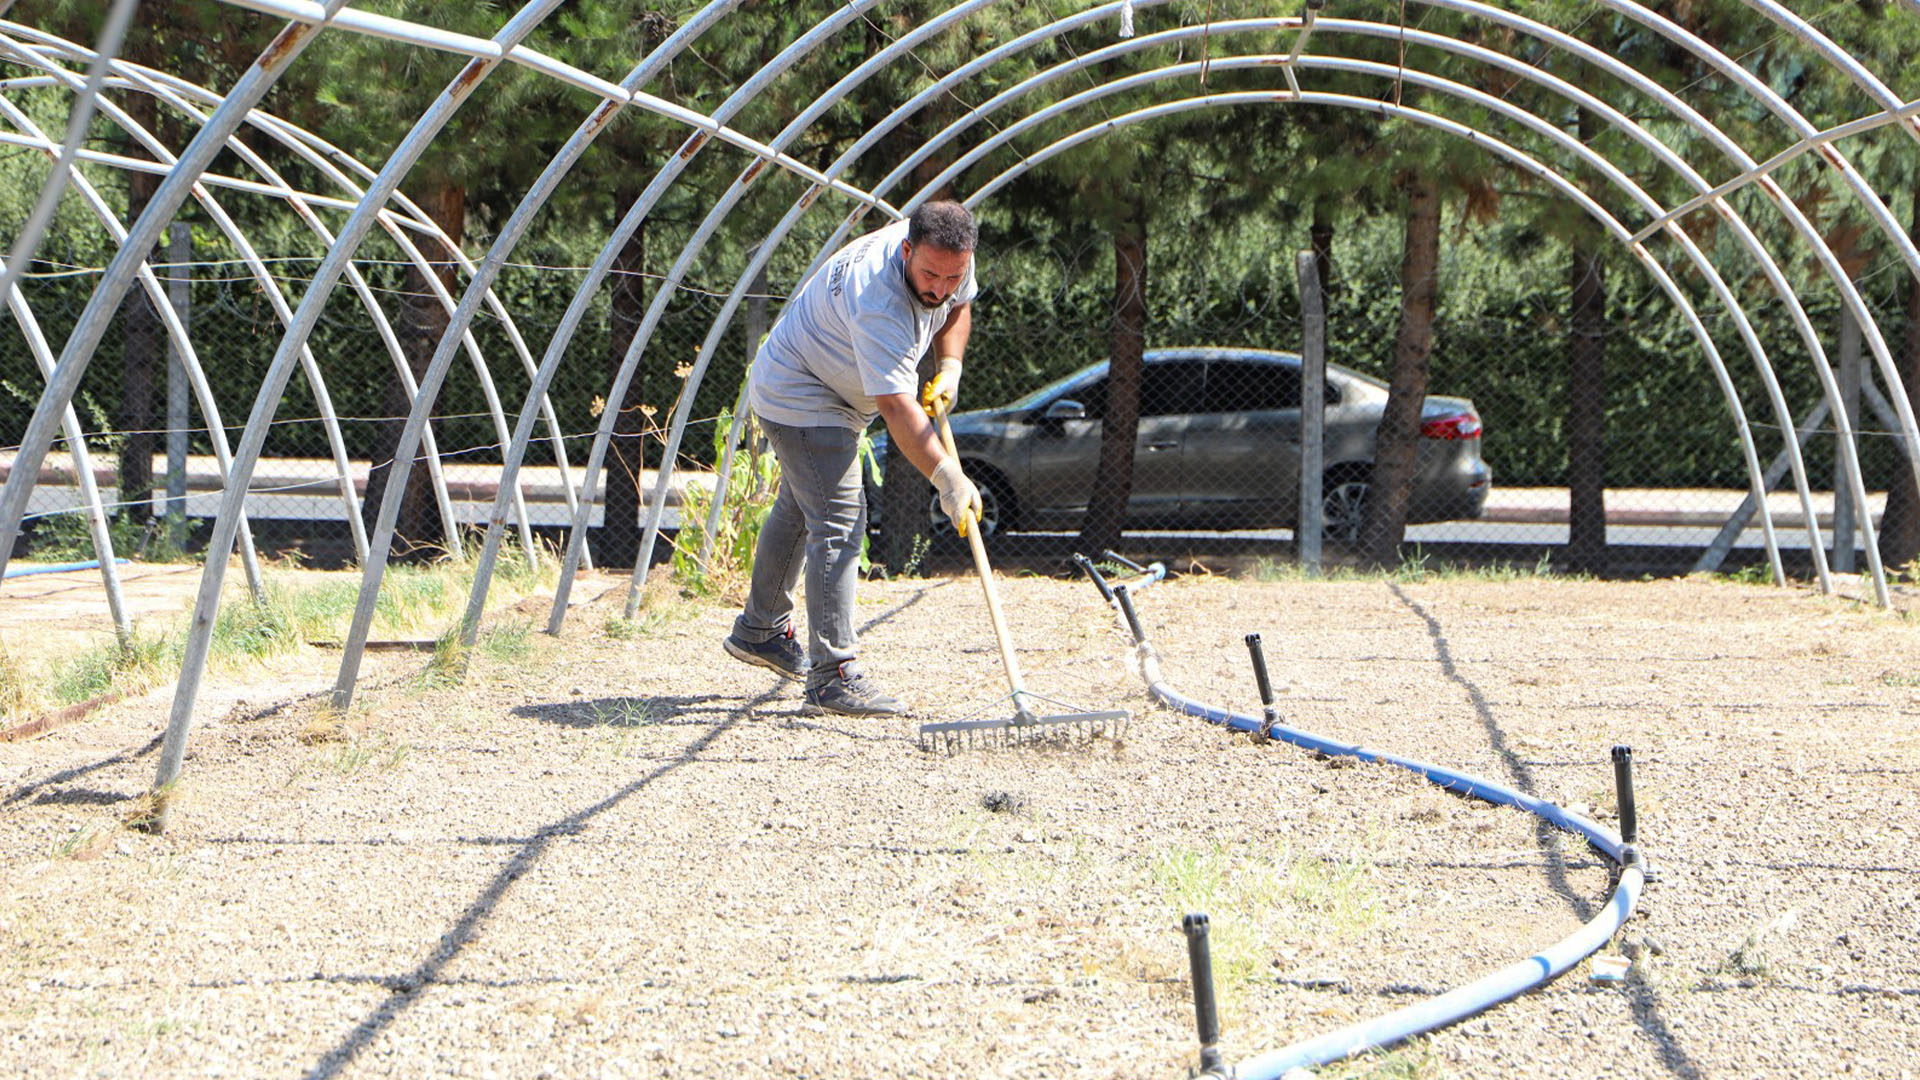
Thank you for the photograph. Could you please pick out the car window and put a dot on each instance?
(1169, 388)
(1247, 385)
(1253, 385)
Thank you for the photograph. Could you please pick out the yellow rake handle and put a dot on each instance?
(986, 583)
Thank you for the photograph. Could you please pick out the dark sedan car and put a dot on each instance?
(1218, 447)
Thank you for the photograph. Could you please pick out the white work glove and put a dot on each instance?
(959, 499)
(938, 397)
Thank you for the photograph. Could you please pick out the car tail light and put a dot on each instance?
(1460, 426)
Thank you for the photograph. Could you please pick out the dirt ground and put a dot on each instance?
(618, 853)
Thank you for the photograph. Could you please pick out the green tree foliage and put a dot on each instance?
(1228, 195)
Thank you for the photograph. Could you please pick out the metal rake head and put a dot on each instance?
(1024, 729)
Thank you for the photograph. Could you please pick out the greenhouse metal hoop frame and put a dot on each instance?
(1632, 217)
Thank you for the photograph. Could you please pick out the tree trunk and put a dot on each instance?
(1586, 413)
(1113, 480)
(141, 352)
(1397, 444)
(617, 541)
(417, 532)
(1900, 524)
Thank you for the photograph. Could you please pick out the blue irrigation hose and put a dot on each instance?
(1458, 782)
(1461, 1002)
(1457, 1004)
(56, 568)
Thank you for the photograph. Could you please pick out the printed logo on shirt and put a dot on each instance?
(837, 276)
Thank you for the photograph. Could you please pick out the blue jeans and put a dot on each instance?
(821, 514)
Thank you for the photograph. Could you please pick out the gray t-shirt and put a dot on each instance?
(854, 330)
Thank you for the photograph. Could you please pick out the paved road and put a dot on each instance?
(304, 489)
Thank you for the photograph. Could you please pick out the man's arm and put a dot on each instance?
(915, 437)
(911, 431)
(951, 340)
(949, 344)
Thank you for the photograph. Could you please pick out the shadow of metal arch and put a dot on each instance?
(370, 199)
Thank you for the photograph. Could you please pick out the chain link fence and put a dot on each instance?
(1216, 462)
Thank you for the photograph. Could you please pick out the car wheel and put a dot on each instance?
(1343, 506)
(996, 507)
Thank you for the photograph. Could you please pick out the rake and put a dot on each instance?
(1025, 725)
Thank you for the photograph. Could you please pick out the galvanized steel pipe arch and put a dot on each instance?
(369, 211)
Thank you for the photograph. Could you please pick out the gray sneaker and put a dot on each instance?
(779, 653)
(850, 693)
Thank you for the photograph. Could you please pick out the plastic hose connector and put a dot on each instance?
(1206, 1012)
(1269, 717)
(1093, 574)
(1121, 594)
(1623, 792)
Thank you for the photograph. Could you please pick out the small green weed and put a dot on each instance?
(507, 644)
(751, 487)
(448, 663)
(85, 842)
(916, 556)
(619, 724)
(623, 712)
(1413, 566)
(368, 750)
(1749, 960)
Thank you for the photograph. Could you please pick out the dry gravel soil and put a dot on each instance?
(619, 853)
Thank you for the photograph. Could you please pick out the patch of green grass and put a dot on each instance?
(507, 644)
(246, 629)
(286, 617)
(320, 612)
(1417, 565)
(414, 596)
(144, 661)
(623, 712)
(621, 628)
(1254, 901)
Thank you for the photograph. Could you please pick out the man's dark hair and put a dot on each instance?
(945, 225)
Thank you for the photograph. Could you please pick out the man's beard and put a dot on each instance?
(926, 299)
